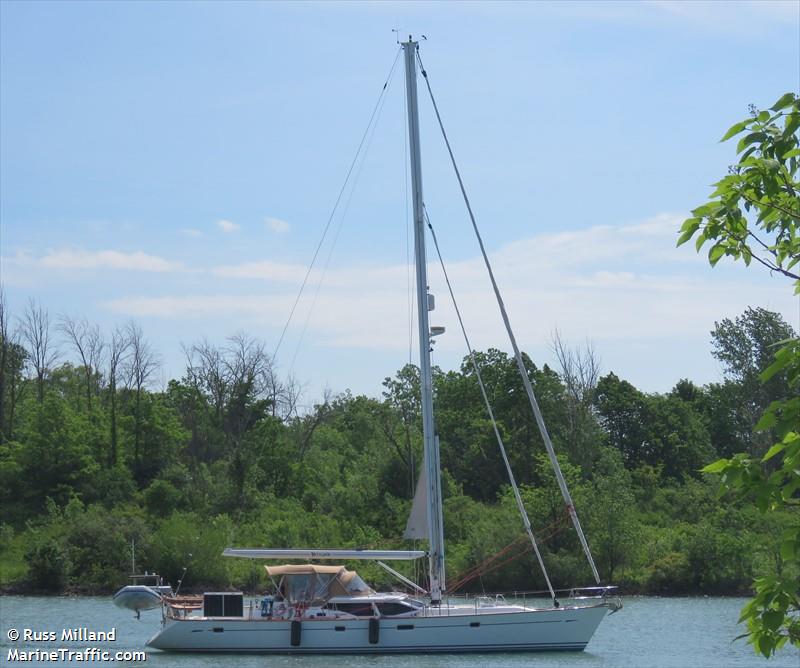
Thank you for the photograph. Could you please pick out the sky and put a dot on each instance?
(176, 163)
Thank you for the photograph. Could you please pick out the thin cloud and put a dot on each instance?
(277, 225)
(227, 226)
(201, 306)
(191, 232)
(77, 259)
(265, 271)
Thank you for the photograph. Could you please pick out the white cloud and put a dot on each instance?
(227, 226)
(74, 258)
(266, 271)
(201, 306)
(625, 283)
(191, 232)
(277, 225)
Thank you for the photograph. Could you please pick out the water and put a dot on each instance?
(646, 633)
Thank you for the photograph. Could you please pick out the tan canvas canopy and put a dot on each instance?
(312, 583)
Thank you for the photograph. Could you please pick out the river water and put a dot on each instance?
(646, 633)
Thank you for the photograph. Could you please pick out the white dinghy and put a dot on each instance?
(147, 592)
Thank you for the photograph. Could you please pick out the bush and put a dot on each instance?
(670, 574)
(48, 566)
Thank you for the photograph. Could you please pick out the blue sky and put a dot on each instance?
(176, 163)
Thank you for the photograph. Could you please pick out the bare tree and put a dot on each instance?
(35, 329)
(287, 397)
(139, 366)
(117, 354)
(208, 373)
(250, 373)
(580, 371)
(310, 423)
(88, 342)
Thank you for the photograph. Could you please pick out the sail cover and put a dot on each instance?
(417, 525)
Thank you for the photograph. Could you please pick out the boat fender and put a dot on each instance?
(297, 627)
(374, 630)
(266, 606)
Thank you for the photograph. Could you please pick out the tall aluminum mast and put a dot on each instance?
(424, 304)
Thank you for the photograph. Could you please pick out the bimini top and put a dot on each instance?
(311, 584)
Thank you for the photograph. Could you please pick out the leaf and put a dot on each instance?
(689, 227)
(701, 239)
(715, 467)
(767, 421)
(787, 550)
(735, 129)
(785, 100)
(774, 450)
(684, 237)
(716, 252)
(749, 139)
(772, 619)
(792, 123)
(765, 645)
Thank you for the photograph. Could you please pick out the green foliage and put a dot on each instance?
(187, 541)
(663, 432)
(754, 213)
(48, 565)
(670, 574)
(211, 462)
(610, 512)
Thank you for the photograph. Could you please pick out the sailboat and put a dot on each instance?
(328, 609)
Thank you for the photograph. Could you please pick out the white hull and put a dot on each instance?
(567, 628)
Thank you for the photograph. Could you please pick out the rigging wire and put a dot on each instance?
(489, 564)
(520, 363)
(336, 204)
(340, 225)
(518, 498)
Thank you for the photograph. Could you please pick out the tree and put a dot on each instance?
(746, 347)
(36, 333)
(580, 371)
(611, 514)
(88, 343)
(140, 365)
(117, 352)
(754, 214)
(665, 432)
(12, 364)
(620, 407)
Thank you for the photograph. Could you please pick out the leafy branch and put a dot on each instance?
(760, 194)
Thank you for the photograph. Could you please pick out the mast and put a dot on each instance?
(424, 304)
